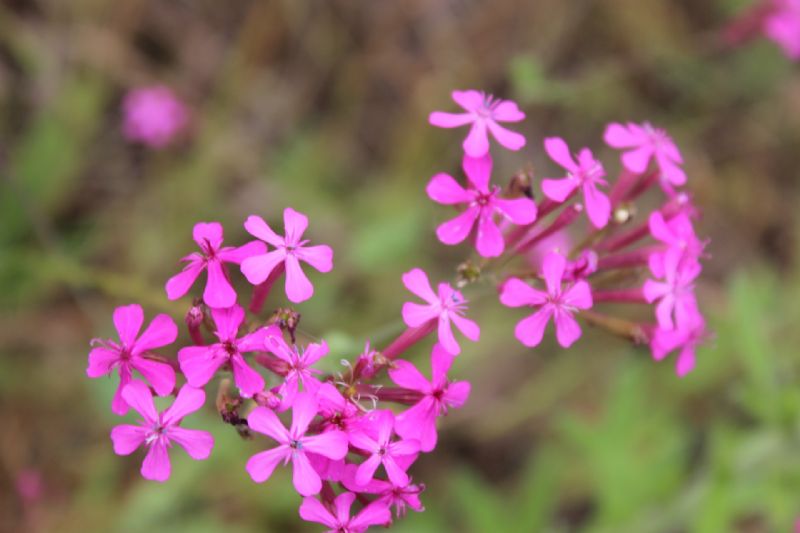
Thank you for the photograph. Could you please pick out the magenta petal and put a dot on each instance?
(306, 480)
(158, 374)
(161, 332)
(362, 441)
(312, 510)
(419, 422)
(553, 271)
(127, 438)
(179, 284)
(396, 474)
(406, 375)
(664, 312)
(446, 338)
(567, 328)
(468, 327)
(237, 255)
(264, 420)
(199, 363)
(198, 444)
(374, 514)
(685, 362)
(139, 397)
(456, 230)
(672, 172)
(488, 239)
(477, 142)
(530, 330)
(258, 268)
(598, 206)
(342, 504)
(441, 119)
(188, 401)
(470, 100)
(218, 292)
(255, 226)
(618, 136)
(304, 408)
(444, 189)
(261, 465)
(507, 138)
(416, 281)
(118, 405)
(156, 465)
(331, 444)
(559, 190)
(298, 287)
(579, 295)
(319, 257)
(478, 170)
(366, 470)
(518, 210)
(637, 160)
(128, 321)
(559, 152)
(228, 321)
(100, 361)
(295, 224)
(516, 293)
(507, 111)
(248, 380)
(457, 394)
(208, 234)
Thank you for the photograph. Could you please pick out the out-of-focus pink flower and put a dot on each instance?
(131, 353)
(374, 514)
(438, 394)
(294, 444)
(483, 112)
(199, 363)
(299, 362)
(587, 173)
(482, 204)
(30, 486)
(782, 26)
(686, 339)
(393, 495)
(218, 292)
(375, 437)
(446, 306)
(289, 251)
(643, 143)
(556, 302)
(676, 292)
(159, 430)
(153, 116)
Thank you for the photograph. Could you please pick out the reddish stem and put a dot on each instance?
(261, 291)
(630, 296)
(408, 338)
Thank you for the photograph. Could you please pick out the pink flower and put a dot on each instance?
(199, 363)
(383, 450)
(686, 339)
(643, 143)
(294, 444)
(445, 307)
(374, 514)
(678, 234)
(482, 204)
(586, 174)
(483, 112)
(782, 25)
(159, 430)
(132, 353)
(299, 362)
(556, 302)
(676, 292)
(218, 292)
(388, 492)
(153, 116)
(289, 251)
(438, 394)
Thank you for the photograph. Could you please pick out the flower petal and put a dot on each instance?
(237, 255)
(127, 438)
(298, 287)
(618, 136)
(188, 401)
(468, 327)
(374, 514)
(295, 224)
(470, 100)
(101, 360)
(162, 331)
(553, 271)
(446, 338)
(477, 142)
(517, 293)
(255, 226)
(598, 206)
(306, 480)
(520, 211)
(416, 281)
(441, 119)
(507, 138)
(366, 470)
(228, 321)
(567, 328)
(218, 291)
(139, 397)
(304, 409)
(248, 380)
(128, 321)
(578, 295)
(311, 510)
(444, 189)
(258, 267)
(406, 375)
(457, 393)
(530, 330)
(208, 234)
(319, 257)
(261, 465)
(264, 420)
(507, 111)
(179, 284)
(478, 171)
(559, 152)
(160, 375)
(457, 229)
(199, 363)
(156, 465)
(637, 160)
(198, 444)
(331, 444)
(559, 190)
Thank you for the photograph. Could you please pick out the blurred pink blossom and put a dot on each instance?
(153, 116)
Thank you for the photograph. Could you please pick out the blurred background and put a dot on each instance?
(322, 105)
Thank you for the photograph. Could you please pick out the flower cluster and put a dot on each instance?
(354, 435)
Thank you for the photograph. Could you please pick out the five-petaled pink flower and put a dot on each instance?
(483, 112)
(438, 394)
(685, 338)
(482, 204)
(159, 430)
(399, 496)
(132, 353)
(218, 292)
(375, 437)
(153, 116)
(446, 306)
(643, 143)
(199, 363)
(289, 251)
(557, 302)
(294, 444)
(587, 173)
(676, 292)
(374, 514)
(299, 362)
(679, 236)
(782, 26)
